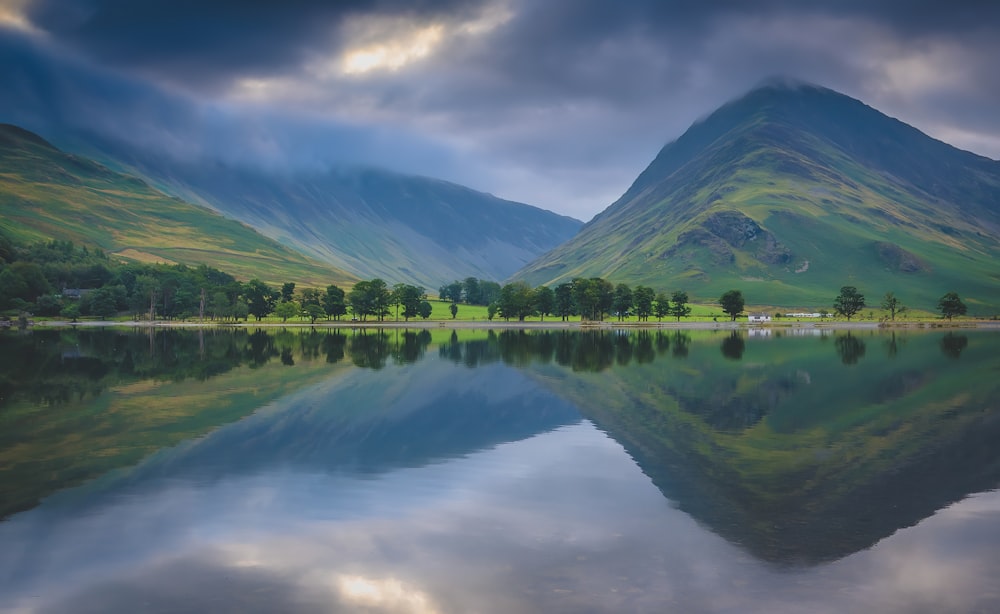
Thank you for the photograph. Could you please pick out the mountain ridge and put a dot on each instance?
(369, 221)
(846, 193)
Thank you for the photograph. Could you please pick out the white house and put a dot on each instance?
(758, 317)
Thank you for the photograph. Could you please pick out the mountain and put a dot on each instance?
(48, 194)
(370, 222)
(789, 193)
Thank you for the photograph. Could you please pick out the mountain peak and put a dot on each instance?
(796, 187)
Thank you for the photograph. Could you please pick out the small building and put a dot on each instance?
(758, 317)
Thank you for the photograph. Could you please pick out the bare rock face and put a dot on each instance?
(741, 232)
(897, 259)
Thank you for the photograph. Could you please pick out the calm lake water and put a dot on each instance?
(499, 472)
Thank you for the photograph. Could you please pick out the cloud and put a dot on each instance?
(558, 103)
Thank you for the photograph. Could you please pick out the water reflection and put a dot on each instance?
(451, 471)
(953, 345)
(850, 348)
(733, 346)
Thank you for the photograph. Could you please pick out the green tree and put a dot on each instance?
(381, 298)
(311, 296)
(662, 308)
(334, 303)
(621, 304)
(950, 306)
(287, 291)
(893, 305)
(544, 300)
(849, 302)
(261, 298)
(451, 292)
(361, 300)
(425, 309)
(516, 301)
(313, 312)
(679, 307)
(453, 308)
(564, 301)
(71, 312)
(287, 309)
(732, 303)
(643, 298)
(410, 298)
(470, 288)
(491, 311)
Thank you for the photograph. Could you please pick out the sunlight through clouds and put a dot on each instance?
(12, 15)
(393, 54)
(389, 44)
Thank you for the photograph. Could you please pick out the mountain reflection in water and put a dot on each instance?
(452, 471)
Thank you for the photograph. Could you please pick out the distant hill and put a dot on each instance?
(370, 222)
(791, 192)
(48, 194)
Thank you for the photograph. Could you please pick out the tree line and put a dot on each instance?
(593, 299)
(58, 278)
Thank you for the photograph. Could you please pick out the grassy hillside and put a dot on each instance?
(48, 194)
(370, 222)
(789, 194)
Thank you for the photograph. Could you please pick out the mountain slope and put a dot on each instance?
(789, 193)
(371, 222)
(48, 194)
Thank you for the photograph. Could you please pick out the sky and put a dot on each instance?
(556, 103)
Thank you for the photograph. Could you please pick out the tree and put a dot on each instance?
(679, 309)
(370, 298)
(621, 303)
(893, 305)
(313, 312)
(381, 298)
(662, 307)
(333, 302)
(451, 292)
(71, 312)
(425, 309)
(409, 298)
(287, 309)
(516, 301)
(453, 308)
(360, 299)
(950, 306)
(491, 311)
(732, 303)
(564, 301)
(545, 300)
(643, 298)
(396, 298)
(470, 288)
(287, 291)
(849, 302)
(260, 297)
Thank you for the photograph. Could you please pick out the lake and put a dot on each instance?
(440, 471)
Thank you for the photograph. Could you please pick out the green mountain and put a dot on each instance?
(48, 194)
(791, 192)
(370, 222)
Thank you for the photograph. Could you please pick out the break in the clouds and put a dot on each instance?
(558, 103)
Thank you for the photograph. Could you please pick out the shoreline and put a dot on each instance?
(550, 325)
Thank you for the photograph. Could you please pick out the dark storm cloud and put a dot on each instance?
(69, 101)
(207, 42)
(559, 103)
